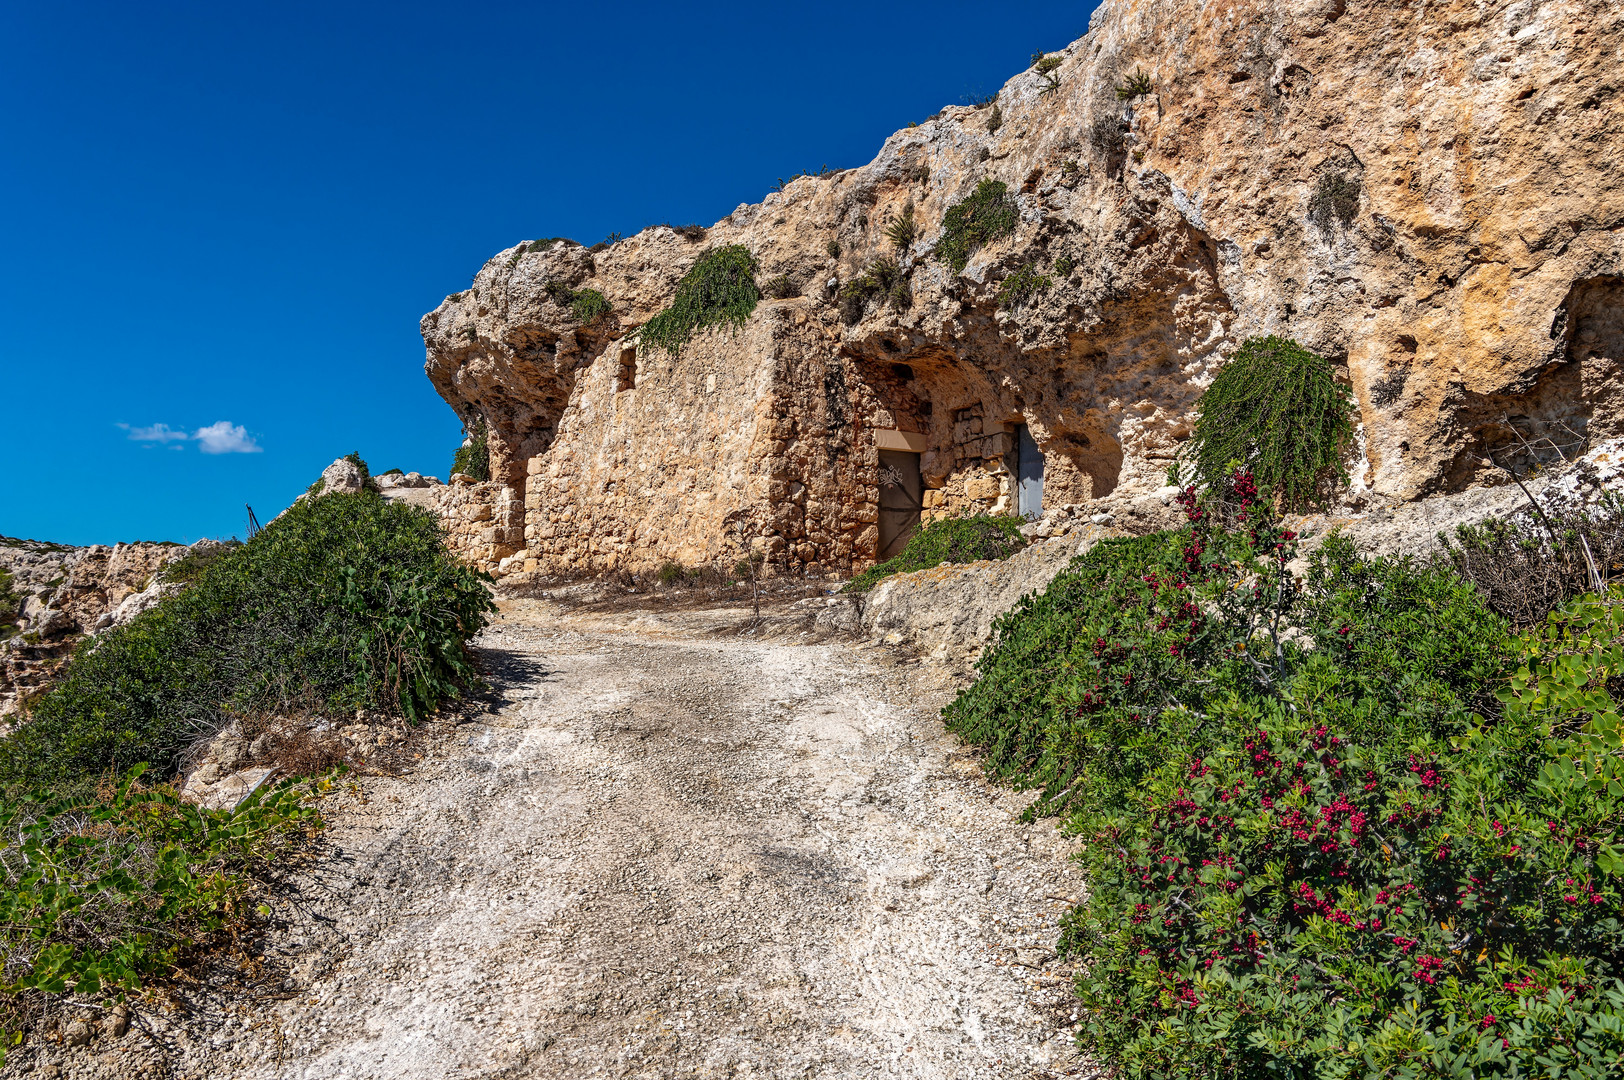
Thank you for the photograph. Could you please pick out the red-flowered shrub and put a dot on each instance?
(1337, 824)
(1293, 903)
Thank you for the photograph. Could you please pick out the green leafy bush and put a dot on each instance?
(987, 215)
(720, 289)
(1276, 410)
(474, 459)
(344, 601)
(588, 306)
(1304, 901)
(954, 540)
(99, 895)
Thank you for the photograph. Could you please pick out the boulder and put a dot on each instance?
(342, 477)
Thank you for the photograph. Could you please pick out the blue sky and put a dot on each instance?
(223, 221)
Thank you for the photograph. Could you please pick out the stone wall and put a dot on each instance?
(1470, 297)
(467, 512)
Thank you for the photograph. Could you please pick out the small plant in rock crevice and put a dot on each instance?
(586, 306)
(1064, 265)
(780, 287)
(1021, 286)
(719, 290)
(995, 119)
(903, 231)
(882, 278)
(990, 213)
(1136, 85)
(1046, 66)
(10, 605)
(1335, 198)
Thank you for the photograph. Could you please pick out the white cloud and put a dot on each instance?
(224, 437)
(158, 433)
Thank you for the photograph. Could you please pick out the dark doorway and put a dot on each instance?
(901, 499)
(1028, 474)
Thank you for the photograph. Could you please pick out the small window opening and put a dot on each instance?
(626, 379)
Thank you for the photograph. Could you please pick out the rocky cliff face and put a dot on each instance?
(1429, 194)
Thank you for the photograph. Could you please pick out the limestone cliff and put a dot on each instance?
(1429, 193)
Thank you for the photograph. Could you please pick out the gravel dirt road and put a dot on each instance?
(675, 846)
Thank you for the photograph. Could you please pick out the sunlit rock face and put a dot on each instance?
(1430, 195)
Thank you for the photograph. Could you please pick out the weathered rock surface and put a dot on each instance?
(1430, 196)
(948, 612)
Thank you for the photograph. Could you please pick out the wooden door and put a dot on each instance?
(901, 492)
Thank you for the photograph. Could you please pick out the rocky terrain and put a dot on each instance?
(63, 593)
(677, 844)
(1428, 196)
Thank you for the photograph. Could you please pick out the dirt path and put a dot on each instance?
(675, 852)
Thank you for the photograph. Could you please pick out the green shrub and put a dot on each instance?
(1087, 684)
(11, 605)
(474, 459)
(987, 215)
(1276, 410)
(344, 601)
(995, 119)
(98, 896)
(1064, 265)
(585, 306)
(954, 540)
(1021, 285)
(720, 289)
(832, 249)
(1335, 198)
(189, 567)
